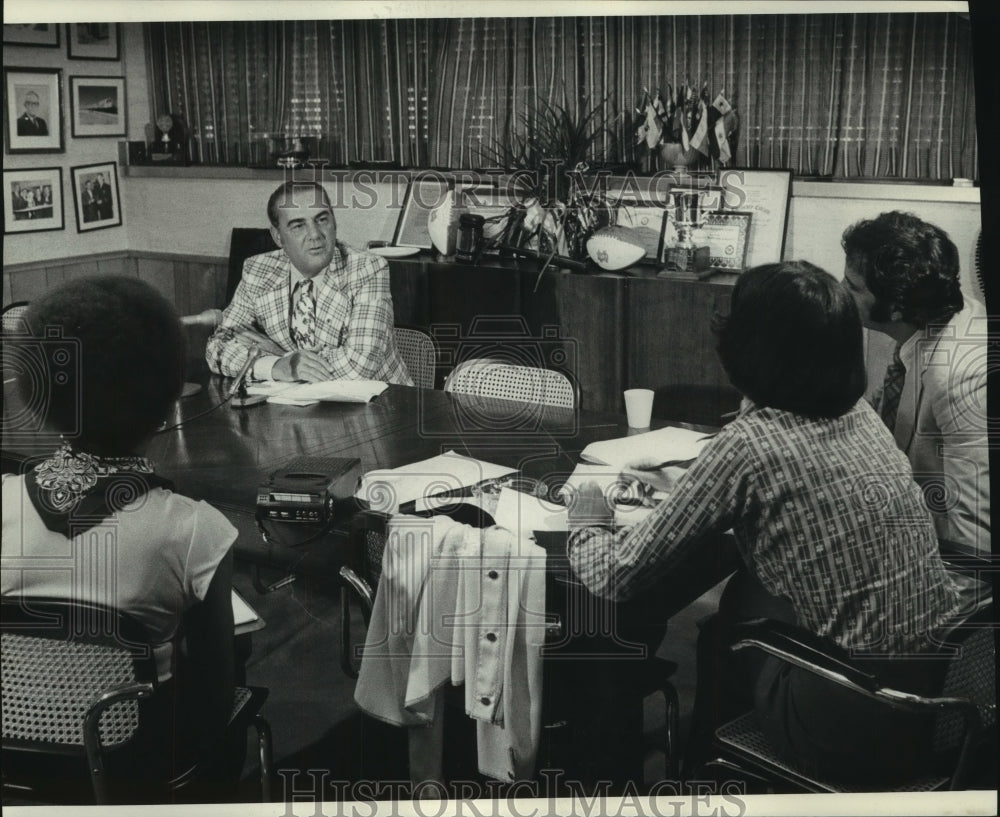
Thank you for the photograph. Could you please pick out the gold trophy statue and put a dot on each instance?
(684, 256)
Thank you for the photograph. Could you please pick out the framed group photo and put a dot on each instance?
(97, 106)
(33, 110)
(36, 35)
(423, 195)
(92, 41)
(32, 200)
(95, 196)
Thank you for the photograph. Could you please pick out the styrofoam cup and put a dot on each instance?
(639, 407)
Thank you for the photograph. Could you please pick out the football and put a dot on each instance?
(615, 248)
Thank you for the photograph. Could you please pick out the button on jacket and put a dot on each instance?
(460, 604)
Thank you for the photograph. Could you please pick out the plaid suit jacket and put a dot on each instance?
(354, 316)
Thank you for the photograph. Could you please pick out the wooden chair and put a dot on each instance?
(418, 353)
(78, 680)
(964, 712)
(489, 377)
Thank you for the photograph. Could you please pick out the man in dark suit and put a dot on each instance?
(30, 123)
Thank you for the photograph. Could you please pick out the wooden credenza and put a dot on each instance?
(608, 331)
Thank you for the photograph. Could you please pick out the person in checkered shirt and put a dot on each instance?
(314, 309)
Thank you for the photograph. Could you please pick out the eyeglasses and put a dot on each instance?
(31, 104)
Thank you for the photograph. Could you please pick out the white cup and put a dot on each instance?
(638, 407)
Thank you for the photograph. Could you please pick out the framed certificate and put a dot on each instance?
(765, 194)
(726, 235)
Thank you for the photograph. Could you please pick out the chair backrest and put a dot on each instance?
(244, 242)
(12, 318)
(971, 675)
(72, 676)
(488, 377)
(418, 353)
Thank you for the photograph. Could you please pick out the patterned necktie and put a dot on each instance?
(892, 388)
(304, 316)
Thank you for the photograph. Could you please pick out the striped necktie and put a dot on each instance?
(892, 388)
(304, 315)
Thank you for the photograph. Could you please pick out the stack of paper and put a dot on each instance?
(307, 394)
(676, 444)
(386, 490)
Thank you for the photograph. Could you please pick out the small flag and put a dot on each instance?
(699, 139)
(654, 127)
(724, 108)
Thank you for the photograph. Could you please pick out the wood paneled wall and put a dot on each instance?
(190, 283)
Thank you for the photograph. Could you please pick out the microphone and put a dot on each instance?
(238, 396)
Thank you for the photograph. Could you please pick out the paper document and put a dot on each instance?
(661, 445)
(334, 391)
(385, 490)
(243, 613)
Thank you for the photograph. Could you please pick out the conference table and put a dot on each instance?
(223, 455)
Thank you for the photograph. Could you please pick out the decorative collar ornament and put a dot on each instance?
(73, 491)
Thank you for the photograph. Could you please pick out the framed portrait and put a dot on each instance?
(97, 106)
(95, 196)
(645, 219)
(33, 110)
(423, 194)
(765, 193)
(727, 236)
(32, 200)
(37, 35)
(92, 41)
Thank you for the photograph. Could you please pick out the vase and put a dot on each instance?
(674, 155)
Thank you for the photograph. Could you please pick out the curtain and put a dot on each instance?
(862, 95)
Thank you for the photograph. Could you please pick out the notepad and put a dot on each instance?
(333, 391)
(386, 489)
(527, 514)
(669, 443)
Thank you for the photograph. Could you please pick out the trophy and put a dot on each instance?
(684, 255)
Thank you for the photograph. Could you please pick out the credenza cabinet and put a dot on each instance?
(608, 332)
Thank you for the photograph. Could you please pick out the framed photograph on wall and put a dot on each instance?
(95, 196)
(766, 194)
(37, 35)
(422, 196)
(97, 106)
(32, 200)
(33, 110)
(92, 41)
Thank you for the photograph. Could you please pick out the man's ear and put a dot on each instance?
(276, 236)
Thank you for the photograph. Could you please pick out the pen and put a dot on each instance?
(657, 466)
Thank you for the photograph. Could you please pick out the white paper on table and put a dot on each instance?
(334, 391)
(664, 444)
(385, 490)
(243, 613)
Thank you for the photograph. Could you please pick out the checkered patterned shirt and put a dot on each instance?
(354, 316)
(825, 513)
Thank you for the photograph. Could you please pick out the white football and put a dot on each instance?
(614, 248)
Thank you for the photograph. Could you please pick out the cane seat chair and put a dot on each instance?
(489, 377)
(77, 683)
(12, 318)
(418, 353)
(964, 712)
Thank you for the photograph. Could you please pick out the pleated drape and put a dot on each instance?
(846, 95)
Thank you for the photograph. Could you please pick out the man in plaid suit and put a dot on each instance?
(316, 309)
